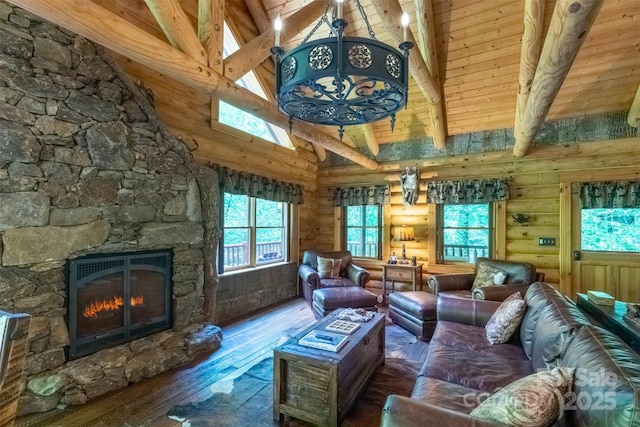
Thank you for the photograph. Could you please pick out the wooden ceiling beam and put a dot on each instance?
(390, 13)
(429, 50)
(177, 28)
(211, 35)
(101, 26)
(570, 23)
(634, 112)
(257, 50)
(263, 24)
(529, 54)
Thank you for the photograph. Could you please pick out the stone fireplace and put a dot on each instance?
(115, 299)
(86, 170)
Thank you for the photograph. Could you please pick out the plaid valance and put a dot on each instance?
(365, 195)
(467, 191)
(612, 194)
(251, 185)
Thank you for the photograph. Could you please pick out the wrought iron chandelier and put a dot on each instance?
(340, 80)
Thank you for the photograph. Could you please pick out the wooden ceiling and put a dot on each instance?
(477, 45)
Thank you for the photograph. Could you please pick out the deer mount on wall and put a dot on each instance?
(410, 181)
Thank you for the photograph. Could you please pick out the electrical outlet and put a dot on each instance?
(547, 241)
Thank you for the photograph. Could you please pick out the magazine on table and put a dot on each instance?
(324, 340)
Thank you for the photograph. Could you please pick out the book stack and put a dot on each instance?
(601, 298)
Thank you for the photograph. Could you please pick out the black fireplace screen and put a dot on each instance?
(113, 299)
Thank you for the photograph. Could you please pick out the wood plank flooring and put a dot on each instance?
(245, 342)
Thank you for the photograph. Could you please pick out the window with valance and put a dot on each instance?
(248, 184)
(609, 216)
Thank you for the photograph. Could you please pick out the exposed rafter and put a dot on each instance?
(428, 48)
(263, 24)
(257, 50)
(106, 28)
(390, 12)
(529, 53)
(634, 112)
(177, 28)
(211, 35)
(570, 23)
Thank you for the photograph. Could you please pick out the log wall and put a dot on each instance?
(534, 190)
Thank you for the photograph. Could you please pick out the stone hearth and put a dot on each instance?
(85, 168)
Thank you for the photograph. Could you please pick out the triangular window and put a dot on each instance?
(239, 119)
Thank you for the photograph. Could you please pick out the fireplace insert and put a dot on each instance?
(113, 299)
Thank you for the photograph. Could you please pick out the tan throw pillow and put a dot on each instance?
(536, 400)
(329, 268)
(486, 276)
(506, 319)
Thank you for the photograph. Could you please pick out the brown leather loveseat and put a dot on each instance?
(462, 368)
(519, 275)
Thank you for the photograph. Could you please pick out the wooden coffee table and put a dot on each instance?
(320, 386)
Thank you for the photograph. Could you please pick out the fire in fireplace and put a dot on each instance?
(113, 299)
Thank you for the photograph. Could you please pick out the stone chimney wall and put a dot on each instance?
(85, 167)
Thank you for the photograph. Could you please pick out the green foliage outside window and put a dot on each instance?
(464, 232)
(253, 226)
(615, 230)
(363, 231)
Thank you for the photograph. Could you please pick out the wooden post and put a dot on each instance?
(568, 29)
(14, 346)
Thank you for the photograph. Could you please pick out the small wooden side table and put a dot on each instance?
(401, 273)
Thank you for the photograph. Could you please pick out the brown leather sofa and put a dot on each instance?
(462, 367)
(350, 274)
(519, 276)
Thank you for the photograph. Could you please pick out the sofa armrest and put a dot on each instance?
(451, 282)
(499, 292)
(464, 310)
(309, 276)
(401, 411)
(357, 275)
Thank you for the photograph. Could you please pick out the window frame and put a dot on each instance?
(380, 229)
(252, 227)
(439, 232)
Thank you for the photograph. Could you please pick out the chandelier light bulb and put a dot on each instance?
(405, 25)
(339, 9)
(278, 27)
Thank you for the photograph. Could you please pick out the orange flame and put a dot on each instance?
(96, 307)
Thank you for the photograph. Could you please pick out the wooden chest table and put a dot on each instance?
(320, 386)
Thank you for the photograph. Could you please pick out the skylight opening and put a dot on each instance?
(240, 119)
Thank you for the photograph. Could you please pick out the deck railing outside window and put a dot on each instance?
(366, 250)
(465, 253)
(238, 254)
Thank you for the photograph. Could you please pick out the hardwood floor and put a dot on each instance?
(245, 342)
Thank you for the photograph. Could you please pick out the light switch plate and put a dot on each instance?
(547, 241)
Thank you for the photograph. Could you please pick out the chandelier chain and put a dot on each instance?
(320, 21)
(366, 20)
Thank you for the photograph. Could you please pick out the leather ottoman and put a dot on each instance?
(326, 300)
(414, 311)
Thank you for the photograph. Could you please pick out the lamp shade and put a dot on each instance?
(403, 233)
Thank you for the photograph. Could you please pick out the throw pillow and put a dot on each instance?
(486, 275)
(506, 319)
(329, 268)
(532, 401)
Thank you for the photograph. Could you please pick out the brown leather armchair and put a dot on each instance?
(519, 276)
(350, 274)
